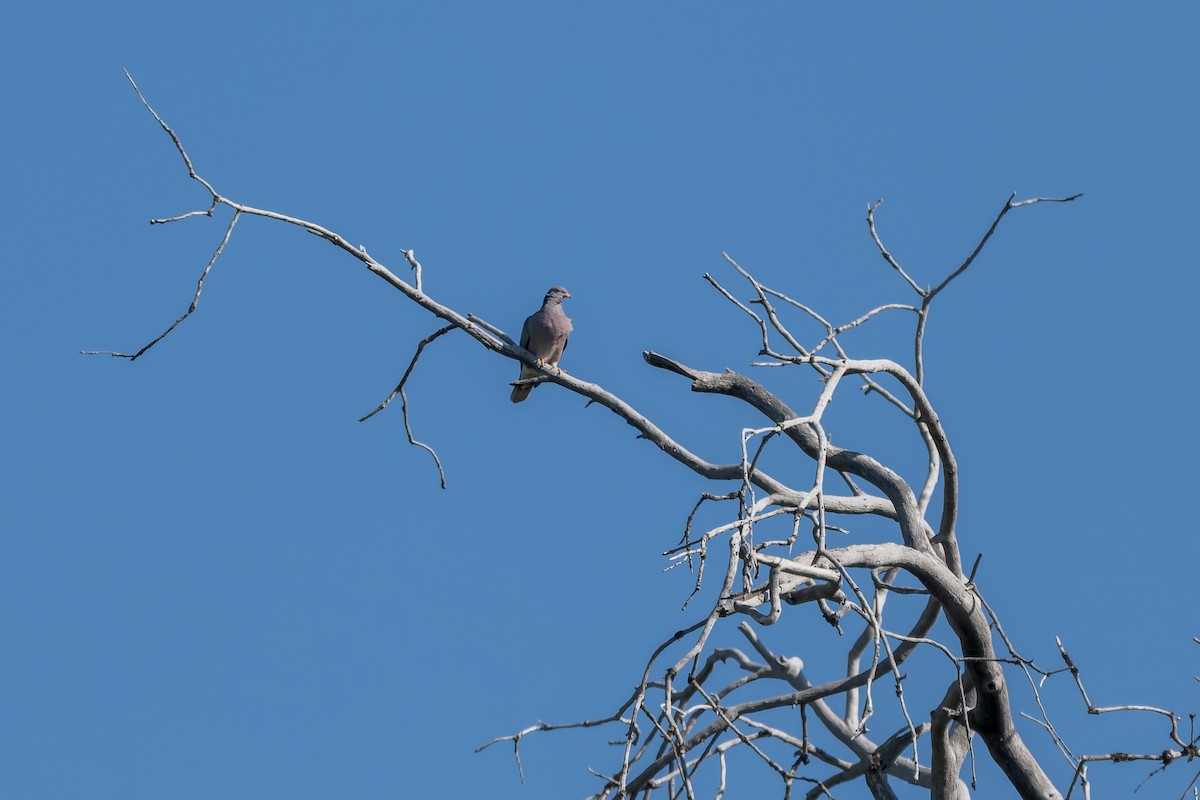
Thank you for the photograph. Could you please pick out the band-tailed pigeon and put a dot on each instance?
(545, 335)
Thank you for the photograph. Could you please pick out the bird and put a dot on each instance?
(545, 335)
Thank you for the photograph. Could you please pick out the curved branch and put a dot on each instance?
(991, 718)
(801, 697)
(487, 335)
(867, 468)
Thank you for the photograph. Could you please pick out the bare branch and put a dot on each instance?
(871, 385)
(501, 335)
(206, 213)
(766, 304)
(480, 331)
(1094, 709)
(178, 144)
(889, 482)
(1009, 205)
(404, 401)
(766, 345)
(839, 330)
(195, 298)
(883, 251)
(411, 258)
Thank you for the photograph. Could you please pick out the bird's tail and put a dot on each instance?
(519, 393)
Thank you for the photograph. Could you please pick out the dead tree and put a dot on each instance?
(785, 553)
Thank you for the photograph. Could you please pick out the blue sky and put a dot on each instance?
(215, 583)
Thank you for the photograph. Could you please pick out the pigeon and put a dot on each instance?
(545, 335)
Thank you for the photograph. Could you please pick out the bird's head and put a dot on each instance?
(555, 294)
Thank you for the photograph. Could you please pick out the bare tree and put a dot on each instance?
(782, 554)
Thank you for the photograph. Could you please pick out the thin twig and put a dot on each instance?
(410, 257)
(191, 307)
(483, 323)
(760, 290)
(399, 390)
(178, 144)
(883, 251)
(1009, 205)
(1094, 709)
(766, 345)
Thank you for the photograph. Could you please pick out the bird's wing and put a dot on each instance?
(562, 335)
(525, 333)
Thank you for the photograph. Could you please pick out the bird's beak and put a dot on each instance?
(566, 294)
